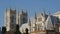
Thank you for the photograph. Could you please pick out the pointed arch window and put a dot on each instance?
(39, 19)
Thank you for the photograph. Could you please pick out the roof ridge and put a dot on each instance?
(58, 12)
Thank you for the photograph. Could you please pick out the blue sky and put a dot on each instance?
(51, 6)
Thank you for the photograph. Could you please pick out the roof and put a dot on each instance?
(48, 23)
(54, 19)
(58, 12)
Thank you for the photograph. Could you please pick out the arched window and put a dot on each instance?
(39, 19)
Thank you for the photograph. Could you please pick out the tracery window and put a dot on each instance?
(39, 19)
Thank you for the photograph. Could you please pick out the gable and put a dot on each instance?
(48, 23)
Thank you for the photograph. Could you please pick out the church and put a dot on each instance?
(36, 25)
(41, 22)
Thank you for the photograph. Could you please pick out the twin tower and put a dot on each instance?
(12, 18)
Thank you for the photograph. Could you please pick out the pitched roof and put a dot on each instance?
(57, 13)
(48, 23)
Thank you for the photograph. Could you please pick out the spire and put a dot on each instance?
(44, 13)
(26, 12)
(6, 9)
(18, 17)
(22, 11)
(35, 20)
(29, 22)
(9, 9)
(15, 9)
(18, 12)
(35, 16)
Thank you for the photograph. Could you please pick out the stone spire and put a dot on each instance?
(6, 9)
(35, 17)
(44, 13)
(15, 9)
(26, 11)
(18, 17)
(22, 11)
(30, 24)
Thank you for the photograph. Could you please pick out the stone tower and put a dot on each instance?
(22, 18)
(35, 20)
(10, 19)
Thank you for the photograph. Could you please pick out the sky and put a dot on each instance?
(50, 6)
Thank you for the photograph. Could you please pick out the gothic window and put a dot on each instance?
(12, 18)
(39, 19)
(40, 27)
(24, 20)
